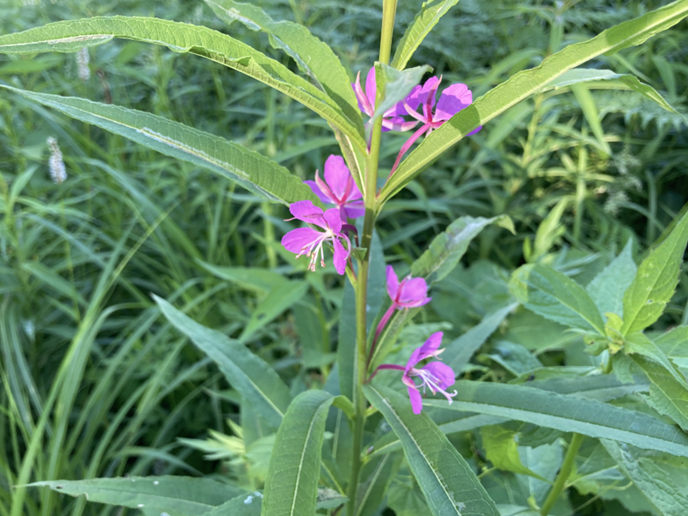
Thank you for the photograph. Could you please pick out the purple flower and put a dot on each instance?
(392, 118)
(309, 241)
(453, 99)
(435, 376)
(339, 188)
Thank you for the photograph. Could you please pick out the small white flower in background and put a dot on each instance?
(82, 60)
(57, 167)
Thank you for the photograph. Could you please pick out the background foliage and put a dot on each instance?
(80, 260)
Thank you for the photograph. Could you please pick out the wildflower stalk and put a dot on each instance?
(563, 476)
(388, 13)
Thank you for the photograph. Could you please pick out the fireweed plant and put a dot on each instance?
(381, 397)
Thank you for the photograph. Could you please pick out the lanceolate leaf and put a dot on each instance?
(566, 413)
(175, 495)
(312, 55)
(608, 79)
(249, 169)
(608, 287)
(428, 16)
(657, 277)
(525, 83)
(549, 293)
(248, 504)
(448, 482)
(70, 36)
(291, 488)
(667, 395)
(257, 382)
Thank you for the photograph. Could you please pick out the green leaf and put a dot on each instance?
(396, 85)
(591, 114)
(291, 487)
(566, 413)
(667, 395)
(458, 352)
(608, 287)
(280, 298)
(662, 478)
(608, 79)
(247, 168)
(70, 36)
(657, 277)
(446, 249)
(548, 232)
(639, 344)
(428, 16)
(502, 450)
(550, 294)
(527, 82)
(254, 279)
(175, 495)
(313, 57)
(674, 344)
(448, 482)
(255, 380)
(378, 473)
(245, 505)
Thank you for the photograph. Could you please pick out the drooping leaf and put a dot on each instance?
(312, 56)
(566, 413)
(656, 280)
(291, 488)
(396, 85)
(448, 482)
(247, 168)
(527, 82)
(549, 293)
(608, 79)
(501, 449)
(446, 249)
(661, 477)
(608, 287)
(70, 36)
(428, 16)
(247, 373)
(592, 115)
(175, 495)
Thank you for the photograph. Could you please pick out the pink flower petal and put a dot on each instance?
(337, 176)
(363, 103)
(340, 256)
(431, 345)
(354, 210)
(371, 87)
(314, 186)
(334, 220)
(453, 99)
(442, 372)
(413, 360)
(306, 211)
(413, 291)
(392, 283)
(297, 239)
(416, 400)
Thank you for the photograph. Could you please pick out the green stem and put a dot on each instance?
(563, 475)
(370, 192)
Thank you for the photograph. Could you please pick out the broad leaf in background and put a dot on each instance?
(280, 298)
(312, 56)
(248, 504)
(608, 79)
(674, 344)
(254, 279)
(662, 478)
(247, 168)
(70, 36)
(566, 413)
(291, 488)
(175, 495)
(448, 482)
(527, 82)
(657, 277)
(255, 380)
(428, 16)
(549, 293)
(667, 395)
(608, 287)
